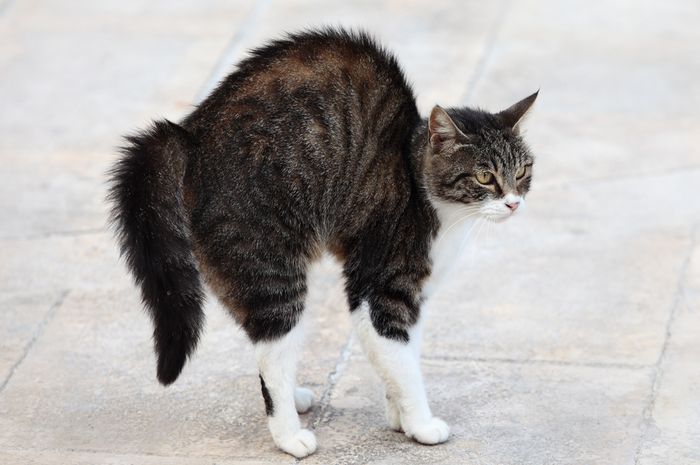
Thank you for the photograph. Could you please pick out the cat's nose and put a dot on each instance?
(513, 205)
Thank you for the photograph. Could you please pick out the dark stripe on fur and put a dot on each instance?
(269, 406)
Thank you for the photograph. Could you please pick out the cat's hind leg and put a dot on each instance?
(393, 414)
(303, 399)
(277, 360)
(263, 285)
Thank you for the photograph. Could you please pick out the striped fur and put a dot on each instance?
(314, 143)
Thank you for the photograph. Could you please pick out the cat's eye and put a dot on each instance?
(484, 177)
(520, 173)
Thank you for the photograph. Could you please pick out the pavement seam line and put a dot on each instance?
(333, 378)
(491, 38)
(35, 336)
(515, 361)
(657, 374)
(227, 60)
(85, 450)
(50, 234)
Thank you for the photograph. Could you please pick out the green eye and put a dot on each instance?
(484, 177)
(520, 173)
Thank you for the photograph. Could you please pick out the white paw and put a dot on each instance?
(393, 415)
(303, 399)
(301, 444)
(434, 431)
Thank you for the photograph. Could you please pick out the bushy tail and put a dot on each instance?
(149, 216)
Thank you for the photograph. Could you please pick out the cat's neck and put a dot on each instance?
(453, 223)
(418, 157)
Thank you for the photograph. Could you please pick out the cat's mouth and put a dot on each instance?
(500, 210)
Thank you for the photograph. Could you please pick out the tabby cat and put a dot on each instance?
(313, 144)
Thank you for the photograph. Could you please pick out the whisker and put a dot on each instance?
(472, 214)
(466, 237)
(478, 233)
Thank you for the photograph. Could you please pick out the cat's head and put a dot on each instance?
(479, 160)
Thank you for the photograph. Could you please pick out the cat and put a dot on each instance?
(313, 144)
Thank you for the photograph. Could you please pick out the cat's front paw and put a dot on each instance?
(300, 444)
(434, 431)
(303, 399)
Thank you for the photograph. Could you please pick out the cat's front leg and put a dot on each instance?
(393, 413)
(397, 363)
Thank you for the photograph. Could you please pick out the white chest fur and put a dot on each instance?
(456, 226)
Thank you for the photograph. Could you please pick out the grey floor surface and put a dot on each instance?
(570, 335)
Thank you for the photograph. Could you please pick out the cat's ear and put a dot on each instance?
(515, 114)
(442, 131)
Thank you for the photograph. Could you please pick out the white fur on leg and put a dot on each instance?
(434, 431)
(398, 365)
(303, 399)
(393, 413)
(277, 364)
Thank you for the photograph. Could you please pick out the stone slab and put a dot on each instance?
(89, 382)
(500, 413)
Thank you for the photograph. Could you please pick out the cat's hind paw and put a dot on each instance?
(434, 431)
(393, 416)
(303, 399)
(300, 444)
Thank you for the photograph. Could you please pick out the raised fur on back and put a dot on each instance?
(308, 145)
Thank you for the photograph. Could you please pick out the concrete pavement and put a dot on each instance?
(568, 335)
